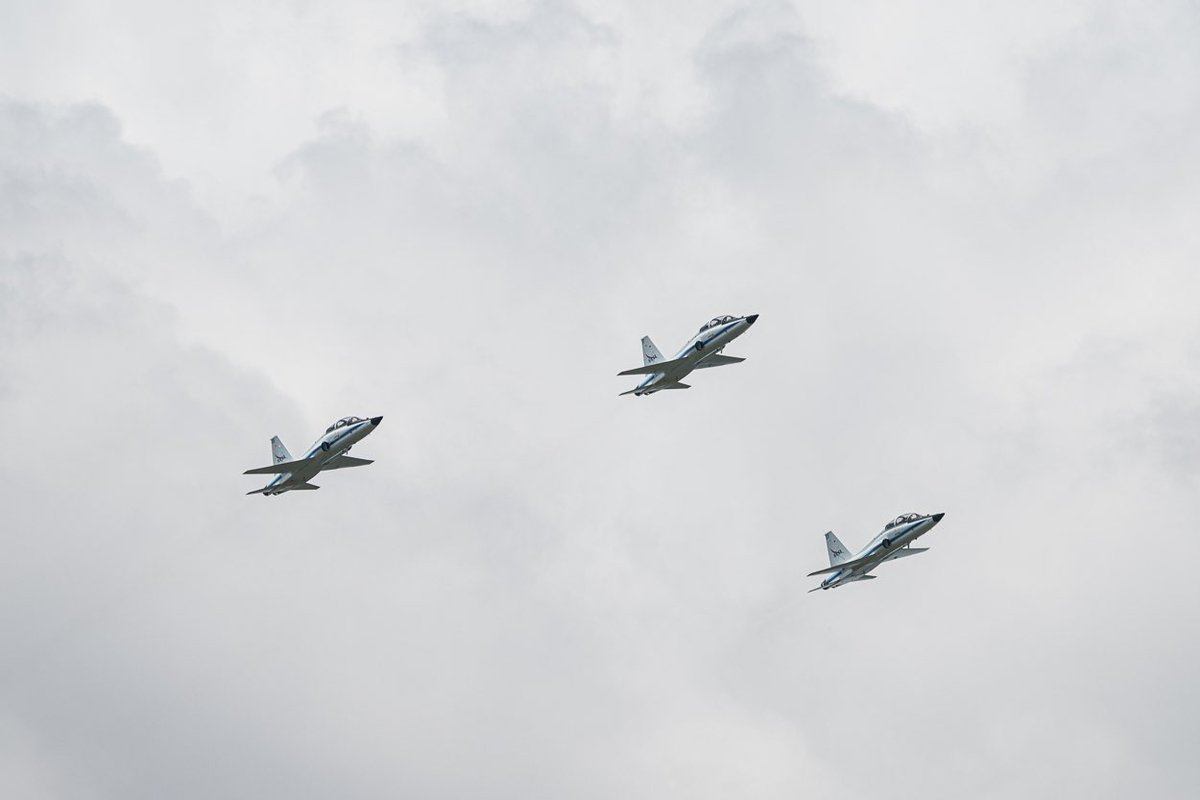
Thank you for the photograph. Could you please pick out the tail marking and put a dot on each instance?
(278, 451)
(837, 551)
(650, 354)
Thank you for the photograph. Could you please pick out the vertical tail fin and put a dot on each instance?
(650, 354)
(279, 452)
(837, 551)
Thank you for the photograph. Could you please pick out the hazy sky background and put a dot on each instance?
(970, 230)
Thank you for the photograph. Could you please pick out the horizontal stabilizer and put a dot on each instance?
(341, 462)
(848, 580)
(278, 469)
(719, 361)
(654, 369)
(280, 489)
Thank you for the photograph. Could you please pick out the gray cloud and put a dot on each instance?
(542, 590)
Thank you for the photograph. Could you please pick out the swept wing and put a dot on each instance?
(653, 369)
(341, 462)
(719, 361)
(904, 551)
(851, 564)
(858, 562)
(280, 468)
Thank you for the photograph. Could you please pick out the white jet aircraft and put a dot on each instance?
(894, 541)
(701, 352)
(328, 452)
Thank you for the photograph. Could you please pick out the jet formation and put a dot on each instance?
(701, 352)
(328, 452)
(894, 541)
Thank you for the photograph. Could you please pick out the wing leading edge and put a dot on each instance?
(654, 369)
(337, 462)
(342, 462)
(873, 557)
(280, 468)
(719, 361)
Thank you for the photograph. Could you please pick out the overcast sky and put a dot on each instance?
(970, 230)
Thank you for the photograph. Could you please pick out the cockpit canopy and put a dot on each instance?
(343, 422)
(902, 519)
(715, 321)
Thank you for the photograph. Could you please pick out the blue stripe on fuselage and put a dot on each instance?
(313, 451)
(902, 537)
(688, 349)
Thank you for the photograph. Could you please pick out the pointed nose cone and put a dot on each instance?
(376, 420)
(937, 517)
(750, 320)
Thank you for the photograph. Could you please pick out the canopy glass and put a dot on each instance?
(902, 519)
(715, 321)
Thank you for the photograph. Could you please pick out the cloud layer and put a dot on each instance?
(972, 251)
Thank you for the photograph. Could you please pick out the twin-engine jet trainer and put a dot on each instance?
(893, 542)
(702, 351)
(328, 452)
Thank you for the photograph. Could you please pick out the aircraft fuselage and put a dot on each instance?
(887, 545)
(708, 342)
(334, 443)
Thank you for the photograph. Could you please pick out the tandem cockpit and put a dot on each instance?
(326, 453)
(715, 321)
(902, 520)
(343, 422)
